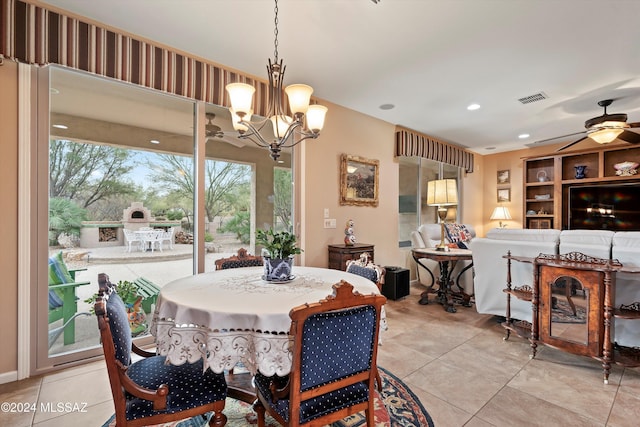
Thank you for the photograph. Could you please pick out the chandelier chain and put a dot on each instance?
(275, 32)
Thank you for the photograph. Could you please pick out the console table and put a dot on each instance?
(446, 261)
(340, 254)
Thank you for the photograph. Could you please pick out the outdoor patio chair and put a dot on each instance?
(63, 302)
(242, 259)
(152, 239)
(131, 239)
(167, 236)
(148, 391)
(334, 367)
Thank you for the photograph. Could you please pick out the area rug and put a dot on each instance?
(562, 313)
(395, 406)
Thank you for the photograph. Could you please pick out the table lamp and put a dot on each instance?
(500, 212)
(442, 193)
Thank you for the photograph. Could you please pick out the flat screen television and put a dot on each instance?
(613, 207)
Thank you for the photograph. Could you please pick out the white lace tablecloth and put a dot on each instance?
(231, 316)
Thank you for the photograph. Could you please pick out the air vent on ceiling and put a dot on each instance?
(533, 98)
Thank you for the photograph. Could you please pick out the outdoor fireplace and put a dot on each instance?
(136, 216)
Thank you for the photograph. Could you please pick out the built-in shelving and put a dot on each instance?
(546, 179)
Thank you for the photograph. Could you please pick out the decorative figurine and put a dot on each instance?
(349, 237)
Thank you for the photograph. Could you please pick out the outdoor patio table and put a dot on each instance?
(230, 316)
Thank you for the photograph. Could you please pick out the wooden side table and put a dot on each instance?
(340, 254)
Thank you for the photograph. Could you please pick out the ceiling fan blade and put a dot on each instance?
(572, 144)
(630, 137)
(558, 137)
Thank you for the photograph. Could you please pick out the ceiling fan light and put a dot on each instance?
(606, 135)
(299, 96)
(241, 97)
(315, 117)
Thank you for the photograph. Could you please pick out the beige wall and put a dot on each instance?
(349, 132)
(9, 223)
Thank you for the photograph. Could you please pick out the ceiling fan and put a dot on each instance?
(605, 128)
(213, 132)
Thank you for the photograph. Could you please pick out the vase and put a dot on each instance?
(581, 171)
(277, 270)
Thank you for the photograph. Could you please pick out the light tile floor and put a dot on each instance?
(457, 364)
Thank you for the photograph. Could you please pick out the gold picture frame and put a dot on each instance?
(358, 181)
(504, 195)
(504, 176)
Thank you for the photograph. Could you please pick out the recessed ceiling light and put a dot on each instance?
(524, 136)
(60, 126)
(154, 141)
(387, 107)
(472, 107)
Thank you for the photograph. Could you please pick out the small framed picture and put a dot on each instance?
(504, 176)
(504, 195)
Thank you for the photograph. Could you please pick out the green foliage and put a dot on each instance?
(283, 197)
(240, 225)
(280, 245)
(88, 173)
(128, 291)
(208, 237)
(175, 215)
(64, 217)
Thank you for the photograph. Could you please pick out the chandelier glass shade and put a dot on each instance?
(291, 125)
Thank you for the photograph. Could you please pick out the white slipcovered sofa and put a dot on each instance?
(428, 236)
(491, 269)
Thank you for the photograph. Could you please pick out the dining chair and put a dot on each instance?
(167, 236)
(334, 353)
(150, 391)
(365, 268)
(152, 238)
(131, 239)
(242, 259)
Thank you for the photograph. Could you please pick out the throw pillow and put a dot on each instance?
(58, 272)
(458, 234)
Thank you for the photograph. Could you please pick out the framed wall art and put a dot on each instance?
(504, 195)
(358, 181)
(504, 176)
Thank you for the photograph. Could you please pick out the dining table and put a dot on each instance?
(233, 316)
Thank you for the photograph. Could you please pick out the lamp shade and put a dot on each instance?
(442, 192)
(299, 96)
(241, 97)
(606, 135)
(500, 212)
(315, 117)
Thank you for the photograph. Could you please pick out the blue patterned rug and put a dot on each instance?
(395, 406)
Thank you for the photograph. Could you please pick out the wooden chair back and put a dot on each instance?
(242, 259)
(334, 353)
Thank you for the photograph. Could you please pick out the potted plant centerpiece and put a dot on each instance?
(279, 248)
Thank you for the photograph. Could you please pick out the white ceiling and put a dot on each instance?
(430, 58)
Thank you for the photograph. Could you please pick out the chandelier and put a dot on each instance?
(306, 121)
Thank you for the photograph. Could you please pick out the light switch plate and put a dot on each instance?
(330, 223)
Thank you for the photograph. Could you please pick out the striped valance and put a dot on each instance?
(410, 143)
(34, 35)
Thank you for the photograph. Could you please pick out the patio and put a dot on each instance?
(158, 267)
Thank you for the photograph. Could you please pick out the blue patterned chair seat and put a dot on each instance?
(333, 370)
(186, 387)
(317, 406)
